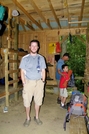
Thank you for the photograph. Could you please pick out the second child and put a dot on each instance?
(63, 84)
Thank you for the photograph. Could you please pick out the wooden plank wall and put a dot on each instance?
(26, 37)
(45, 37)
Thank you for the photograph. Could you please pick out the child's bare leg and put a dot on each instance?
(61, 98)
(64, 100)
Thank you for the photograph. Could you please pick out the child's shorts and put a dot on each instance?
(63, 92)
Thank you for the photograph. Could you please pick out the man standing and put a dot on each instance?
(33, 78)
(59, 71)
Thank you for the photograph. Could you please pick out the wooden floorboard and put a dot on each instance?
(77, 125)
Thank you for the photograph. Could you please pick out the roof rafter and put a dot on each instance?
(26, 13)
(39, 12)
(52, 9)
(26, 23)
(23, 26)
(81, 14)
(66, 3)
(77, 22)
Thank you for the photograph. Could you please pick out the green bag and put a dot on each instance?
(2, 12)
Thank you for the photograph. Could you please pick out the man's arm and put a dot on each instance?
(43, 75)
(23, 76)
(60, 72)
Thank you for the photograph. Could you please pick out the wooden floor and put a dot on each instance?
(77, 125)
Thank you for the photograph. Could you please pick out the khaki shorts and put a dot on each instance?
(63, 92)
(33, 88)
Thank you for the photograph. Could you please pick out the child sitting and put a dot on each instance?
(63, 84)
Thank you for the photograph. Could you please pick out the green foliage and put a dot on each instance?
(77, 51)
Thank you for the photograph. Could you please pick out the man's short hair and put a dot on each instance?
(38, 43)
(66, 54)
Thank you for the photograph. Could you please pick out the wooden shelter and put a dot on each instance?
(47, 21)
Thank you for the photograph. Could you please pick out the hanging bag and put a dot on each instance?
(2, 12)
(58, 47)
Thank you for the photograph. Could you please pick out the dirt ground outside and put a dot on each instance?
(51, 115)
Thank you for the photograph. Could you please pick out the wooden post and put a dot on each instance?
(9, 29)
(86, 74)
(6, 76)
(15, 75)
(16, 34)
(15, 56)
(64, 46)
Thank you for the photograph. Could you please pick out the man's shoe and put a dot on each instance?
(27, 122)
(38, 121)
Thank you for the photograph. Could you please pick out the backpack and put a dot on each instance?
(58, 47)
(2, 12)
(71, 82)
(77, 106)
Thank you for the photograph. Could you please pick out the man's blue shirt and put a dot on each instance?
(59, 66)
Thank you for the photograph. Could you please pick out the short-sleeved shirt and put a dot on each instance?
(63, 79)
(59, 66)
(32, 66)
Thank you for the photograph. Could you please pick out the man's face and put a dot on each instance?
(33, 47)
(66, 58)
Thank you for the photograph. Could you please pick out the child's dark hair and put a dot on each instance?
(64, 65)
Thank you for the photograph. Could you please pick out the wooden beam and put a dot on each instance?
(13, 71)
(30, 23)
(48, 21)
(75, 22)
(13, 61)
(26, 13)
(26, 23)
(16, 34)
(12, 81)
(67, 12)
(39, 22)
(2, 95)
(9, 28)
(53, 11)
(39, 12)
(6, 78)
(81, 14)
(82, 40)
(23, 26)
(64, 39)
